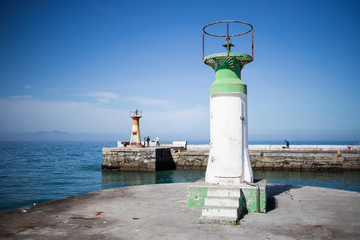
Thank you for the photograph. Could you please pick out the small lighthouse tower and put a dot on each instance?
(229, 161)
(229, 190)
(135, 139)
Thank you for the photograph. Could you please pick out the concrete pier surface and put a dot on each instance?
(160, 212)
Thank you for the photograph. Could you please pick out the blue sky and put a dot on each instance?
(81, 66)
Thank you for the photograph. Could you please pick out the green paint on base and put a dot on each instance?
(250, 199)
(196, 196)
(197, 193)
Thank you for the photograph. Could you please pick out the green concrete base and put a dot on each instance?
(196, 194)
(198, 191)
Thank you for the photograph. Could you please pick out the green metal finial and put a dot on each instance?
(228, 45)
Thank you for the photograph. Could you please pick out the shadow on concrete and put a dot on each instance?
(274, 190)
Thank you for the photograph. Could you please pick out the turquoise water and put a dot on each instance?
(34, 172)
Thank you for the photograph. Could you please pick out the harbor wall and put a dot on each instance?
(282, 147)
(137, 159)
(262, 157)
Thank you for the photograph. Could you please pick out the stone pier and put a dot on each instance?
(134, 159)
(262, 157)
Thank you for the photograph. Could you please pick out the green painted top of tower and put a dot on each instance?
(228, 65)
(228, 71)
(220, 59)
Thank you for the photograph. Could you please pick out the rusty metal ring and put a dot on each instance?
(227, 21)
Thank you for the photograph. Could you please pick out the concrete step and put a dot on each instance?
(218, 220)
(224, 192)
(222, 201)
(215, 212)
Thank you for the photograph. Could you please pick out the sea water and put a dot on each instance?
(35, 172)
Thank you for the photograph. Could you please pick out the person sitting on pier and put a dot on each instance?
(287, 144)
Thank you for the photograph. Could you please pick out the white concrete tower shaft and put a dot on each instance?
(229, 161)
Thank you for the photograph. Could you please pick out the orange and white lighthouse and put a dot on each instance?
(135, 133)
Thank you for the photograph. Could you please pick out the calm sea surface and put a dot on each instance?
(34, 172)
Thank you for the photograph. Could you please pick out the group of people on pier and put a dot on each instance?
(147, 141)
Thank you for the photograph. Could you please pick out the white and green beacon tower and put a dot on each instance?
(229, 190)
(229, 161)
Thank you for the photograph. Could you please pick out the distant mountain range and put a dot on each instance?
(60, 136)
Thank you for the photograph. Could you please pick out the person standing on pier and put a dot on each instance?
(148, 141)
(157, 141)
